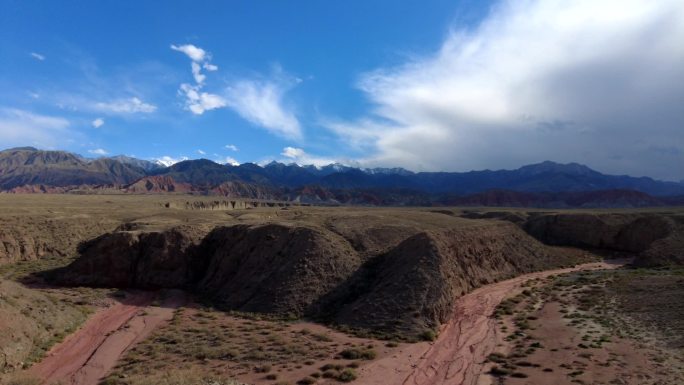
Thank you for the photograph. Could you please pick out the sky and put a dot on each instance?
(428, 85)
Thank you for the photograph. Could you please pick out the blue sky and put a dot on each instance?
(427, 85)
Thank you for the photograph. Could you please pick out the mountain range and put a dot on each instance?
(545, 184)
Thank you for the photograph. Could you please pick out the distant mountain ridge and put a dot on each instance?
(27, 169)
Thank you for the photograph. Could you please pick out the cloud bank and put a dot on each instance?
(580, 81)
(98, 151)
(301, 157)
(19, 128)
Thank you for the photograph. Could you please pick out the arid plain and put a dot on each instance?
(177, 289)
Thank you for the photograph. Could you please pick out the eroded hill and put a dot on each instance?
(400, 280)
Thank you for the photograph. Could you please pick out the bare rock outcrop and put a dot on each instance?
(136, 259)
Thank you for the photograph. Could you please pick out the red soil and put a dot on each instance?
(458, 355)
(86, 356)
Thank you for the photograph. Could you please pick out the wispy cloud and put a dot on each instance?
(98, 151)
(261, 102)
(606, 68)
(201, 152)
(125, 106)
(37, 56)
(97, 123)
(232, 147)
(20, 127)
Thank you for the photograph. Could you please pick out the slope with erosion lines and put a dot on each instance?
(297, 269)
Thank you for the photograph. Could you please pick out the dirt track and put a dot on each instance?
(458, 355)
(86, 356)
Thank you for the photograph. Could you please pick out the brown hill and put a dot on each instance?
(236, 189)
(28, 166)
(574, 199)
(157, 184)
(274, 268)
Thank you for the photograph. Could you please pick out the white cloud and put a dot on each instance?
(201, 152)
(98, 151)
(197, 73)
(97, 123)
(258, 101)
(167, 161)
(232, 147)
(21, 128)
(292, 152)
(194, 53)
(261, 103)
(125, 106)
(37, 56)
(198, 102)
(301, 157)
(568, 81)
(229, 160)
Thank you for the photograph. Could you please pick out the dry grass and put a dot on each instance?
(34, 321)
(183, 376)
(253, 350)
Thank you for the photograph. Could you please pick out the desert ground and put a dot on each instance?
(177, 289)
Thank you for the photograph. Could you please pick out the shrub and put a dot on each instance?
(329, 374)
(306, 381)
(263, 368)
(499, 371)
(347, 375)
(428, 335)
(356, 354)
(497, 357)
